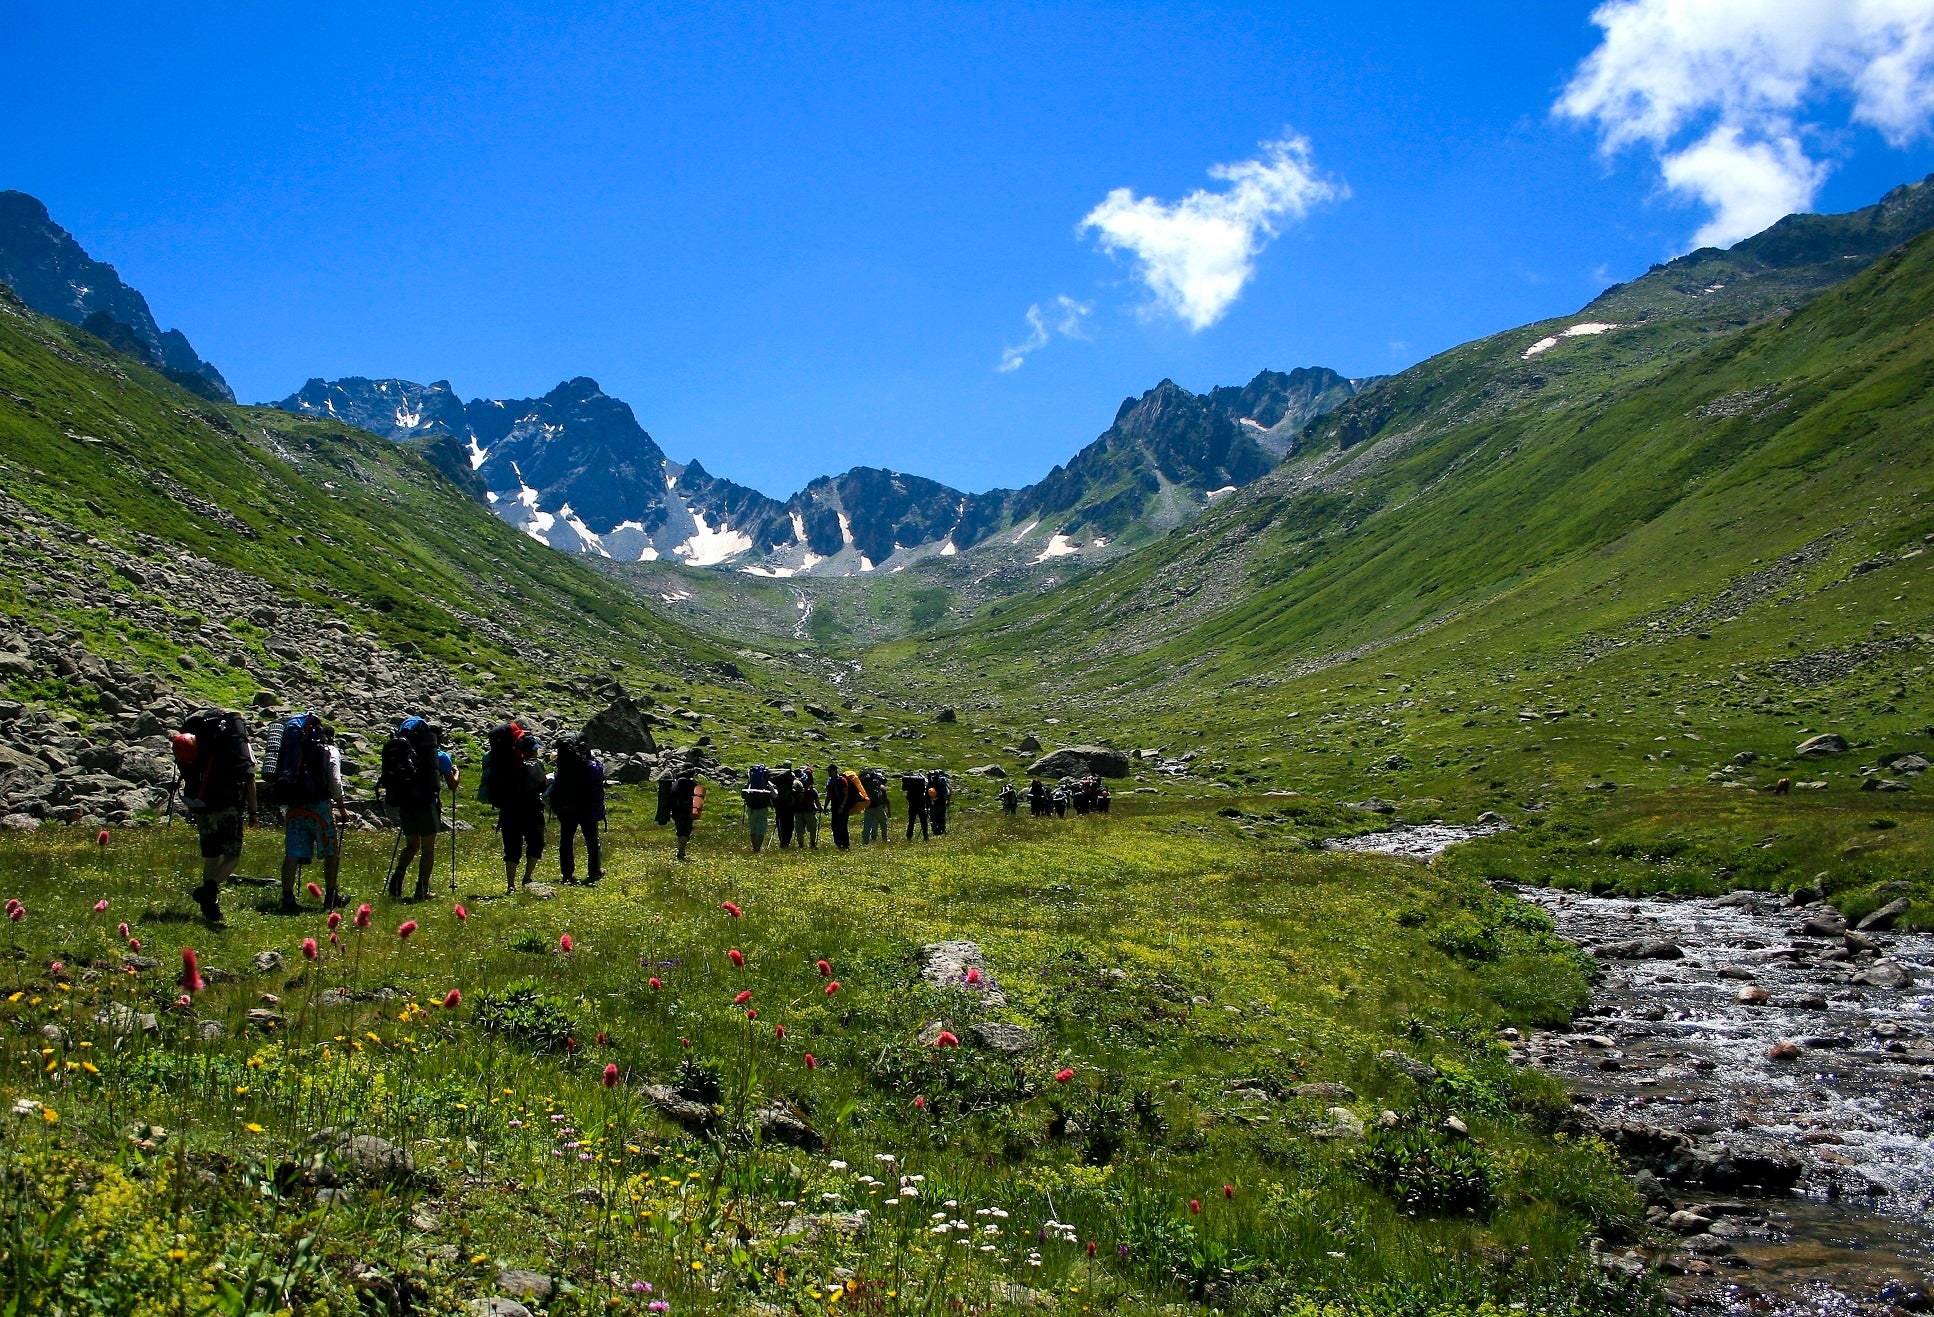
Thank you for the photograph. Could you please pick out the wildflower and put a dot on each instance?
(461, 913)
(335, 919)
(309, 951)
(122, 929)
(564, 943)
(570, 1044)
(659, 1305)
(452, 999)
(602, 1039)
(1091, 1248)
(731, 909)
(752, 1014)
(335, 939)
(973, 975)
(685, 1043)
(611, 1075)
(946, 1039)
(404, 929)
(825, 969)
(1063, 1076)
(832, 987)
(1228, 1191)
(315, 893)
(1121, 1250)
(100, 907)
(919, 1104)
(182, 1002)
(362, 915)
(655, 984)
(812, 1062)
(100, 838)
(641, 1287)
(778, 1031)
(738, 957)
(1195, 1207)
(191, 979)
(134, 944)
(16, 912)
(745, 995)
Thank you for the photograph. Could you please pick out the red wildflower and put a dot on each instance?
(973, 975)
(134, 944)
(685, 1043)
(564, 943)
(461, 912)
(778, 1031)
(946, 1039)
(335, 939)
(315, 893)
(1091, 1248)
(122, 929)
(812, 1062)
(191, 979)
(1228, 1191)
(362, 915)
(570, 1044)
(752, 1014)
(404, 929)
(16, 912)
(100, 907)
(452, 999)
(100, 838)
(335, 919)
(602, 1040)
(655, 984)
(832, 987)
(309, 951)
(1195, 1206)
(825, 969)
(182, 1002)
(737, 956)
(56, 968)
(743, 997)
(611, 1075)
(731, 909)
(919, 1104)
(1063, 1076)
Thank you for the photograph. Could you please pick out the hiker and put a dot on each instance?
(517, 792)
(1060, 800)
(686, 799)
(940, 794)
(305, 779)
(760, 796)
(1037, 798)
(878, 806)
(783, 783)
(914, 786)
(805, 808)
(577, 798)
(1010, 800)
(843, 796)
(415, 769)
(217, 781)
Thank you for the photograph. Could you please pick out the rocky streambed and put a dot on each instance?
(1768, 1074)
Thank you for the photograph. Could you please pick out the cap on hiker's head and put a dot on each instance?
(529, 747)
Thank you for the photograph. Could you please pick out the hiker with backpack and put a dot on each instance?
(843, 795)
(680, 802)
(940, 794)
(415, 769)
(577, 798)
(878, 808)
(216, 776)
(305, 780)
(1010, 800)
(517, 792)
(760, 796)
(914, 787)
(805, 808)
(783, 782)
(1037, 798)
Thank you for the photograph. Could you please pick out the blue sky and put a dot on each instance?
(800, 238)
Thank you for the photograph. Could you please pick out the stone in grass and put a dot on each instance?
(539, 891)
(266, 962)
(692, 1114)
(960, 965)
(533, 1286)
(1332, 1092)
(1344, 1125)
(779, 1121)
(366, 1157)
(1883, 918)
(1827, 743)
(1010, 1039)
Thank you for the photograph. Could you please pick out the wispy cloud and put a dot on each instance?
(1729, 95)
(1196, 255)
(1063, 318)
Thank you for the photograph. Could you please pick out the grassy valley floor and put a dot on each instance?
(1212, 1013)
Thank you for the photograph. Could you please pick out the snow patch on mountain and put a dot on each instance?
(708, 547)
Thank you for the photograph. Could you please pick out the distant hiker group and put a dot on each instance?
(790, 796)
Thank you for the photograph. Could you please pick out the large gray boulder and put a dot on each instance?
(1081, 761)
(623, 728)
(1826, 743)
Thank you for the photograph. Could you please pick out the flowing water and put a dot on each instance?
(1775, 1073)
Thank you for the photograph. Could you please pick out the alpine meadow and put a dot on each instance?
(1372, 837)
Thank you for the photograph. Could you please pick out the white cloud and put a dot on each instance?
(1195, 255)
(1729, 93)
(1067, 316)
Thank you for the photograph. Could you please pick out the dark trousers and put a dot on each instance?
(939, 812)
(785, 826)
(568, 826)
(916, 815)
(839, 820)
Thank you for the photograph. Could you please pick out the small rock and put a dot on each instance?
(1785, 1050)
(1344, 1124)
(266, 962)
(1688, 1222)
(1489, 818)
(1753, 996)
(1331, 1092)
(1454, 1125)
(686, 1111)
(1010, 1039)
(779, 1121)
(590, 1195)
(1409, 1066)
(539, 891)
(521, 1284)
(946, 965)
(1886, 974)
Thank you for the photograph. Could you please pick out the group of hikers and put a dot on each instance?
(225, 785)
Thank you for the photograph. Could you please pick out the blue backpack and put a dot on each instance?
(301, 773)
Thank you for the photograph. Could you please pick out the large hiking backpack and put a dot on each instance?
(571, 788)
(664, 801)
(874, 780)
(759, 778)
(942, 790)
(408, 779)
(300, 775)
(856, 797)
(211, 754)
(914, 784)
(759, 797)
(500, 754)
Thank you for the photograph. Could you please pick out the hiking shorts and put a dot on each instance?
(523, 836)
(311, 834)
(220, 831)
(420, 820)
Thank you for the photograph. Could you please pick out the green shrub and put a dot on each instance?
(1426, 1173)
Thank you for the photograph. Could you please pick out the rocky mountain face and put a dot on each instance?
(55, 276)
(575, 470)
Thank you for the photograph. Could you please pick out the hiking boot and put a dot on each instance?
(422, 892)
(211, 909)
(395, 887)
(335, 901)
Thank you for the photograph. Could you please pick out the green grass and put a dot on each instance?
(1246, 966)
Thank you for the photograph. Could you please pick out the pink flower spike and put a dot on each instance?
(191, 979)
(832, 987)
(655, 984)
(752, 1014)
(100, 907)
(1228, 1191)
(743, 997)
(100, 838)
(134, 944)
(182, 1002)
(825, 969)
(461, 912)
(335, 919)
(404, 929)
(335, 939)
(1063, 1076)
(685, 1043)
(564, 943)
(1195, 1206)
(778, 1031)
(56, 968)
(973, 975)
(309, 951)
(920, 1104)
(452, 999)
(122, 929)
(16, 913)
(315, 893)
(731, 909)
(946, 1039)
(611, 1075)
(362, 915)
(737, 957)
(812, 1062)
